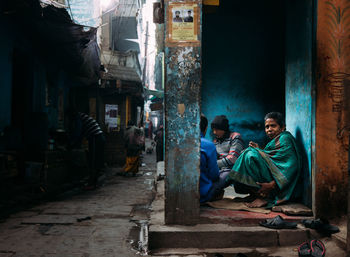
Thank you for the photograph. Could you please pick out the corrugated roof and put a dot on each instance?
(122, 73)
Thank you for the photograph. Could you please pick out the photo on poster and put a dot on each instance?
(189, 16)
(183, 23)
(177, 15)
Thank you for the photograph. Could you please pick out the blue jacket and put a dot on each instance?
(209, 168)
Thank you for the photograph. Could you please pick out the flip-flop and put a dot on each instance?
(304, 249)
(278, 223)
(322, 226)
(317, 248)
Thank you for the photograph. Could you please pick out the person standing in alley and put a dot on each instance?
(160, 143)
(134, 141)
(83, 126)
(150, 130)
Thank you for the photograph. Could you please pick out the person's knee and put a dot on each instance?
(250, 157)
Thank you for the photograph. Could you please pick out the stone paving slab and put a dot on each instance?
(52, 219)
(51, 229)
(6, 254)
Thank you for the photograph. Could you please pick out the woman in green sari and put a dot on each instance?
(269, 174)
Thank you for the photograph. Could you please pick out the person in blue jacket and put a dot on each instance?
(211, 181)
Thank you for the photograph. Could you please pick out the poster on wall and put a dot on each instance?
(183, 22)
(111, 117)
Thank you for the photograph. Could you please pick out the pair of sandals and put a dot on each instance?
(320, 225)
(313, 248)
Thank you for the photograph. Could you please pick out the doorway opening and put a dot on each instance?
(256, 61)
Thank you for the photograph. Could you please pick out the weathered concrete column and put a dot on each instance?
(182, 110)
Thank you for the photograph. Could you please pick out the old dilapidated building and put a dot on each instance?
(44, 54)
(244, 59)
(121, 83)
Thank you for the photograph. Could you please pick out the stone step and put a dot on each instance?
(220, 229)
(280, 251)
(223, 236)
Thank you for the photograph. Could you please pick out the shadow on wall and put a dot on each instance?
(305, 175)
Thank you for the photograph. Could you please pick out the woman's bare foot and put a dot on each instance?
(257, 203)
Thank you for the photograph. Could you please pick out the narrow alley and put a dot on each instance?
(103, 222)
(174, 128)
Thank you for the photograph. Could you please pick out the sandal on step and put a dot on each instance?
(321, 226)
(278, 223)
(317, 248)
(304, 249)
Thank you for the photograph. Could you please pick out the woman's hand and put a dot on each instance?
(266, 188)
(253, 144)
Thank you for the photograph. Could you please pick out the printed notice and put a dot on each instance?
(183, 21)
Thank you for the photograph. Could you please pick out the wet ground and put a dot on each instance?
(109, 221)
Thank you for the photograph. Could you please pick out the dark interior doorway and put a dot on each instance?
(243, 64)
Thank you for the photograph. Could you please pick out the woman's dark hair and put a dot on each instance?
(203, 123)
(277, 116)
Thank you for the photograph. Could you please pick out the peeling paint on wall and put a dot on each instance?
(182, 136)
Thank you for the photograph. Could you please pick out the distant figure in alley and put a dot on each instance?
(133, 142)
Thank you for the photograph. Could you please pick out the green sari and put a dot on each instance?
(279, 161)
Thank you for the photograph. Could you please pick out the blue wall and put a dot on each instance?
(299, 83)
(243, 64)
(6, 75)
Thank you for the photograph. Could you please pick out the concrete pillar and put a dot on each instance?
(182, 111)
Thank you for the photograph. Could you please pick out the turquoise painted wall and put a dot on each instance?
(243, 64)
(299, 83)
